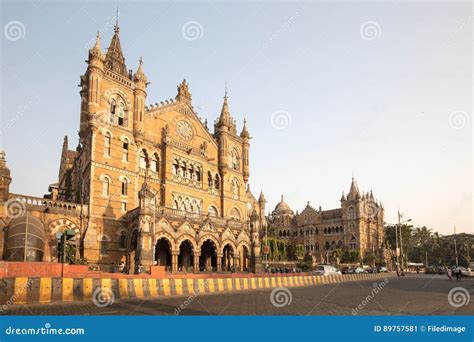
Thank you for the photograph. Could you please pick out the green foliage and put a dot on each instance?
(278, 249)
(420, 244)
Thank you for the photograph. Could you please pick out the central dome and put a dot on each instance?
(283, 207)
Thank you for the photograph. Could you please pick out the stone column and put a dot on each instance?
(219, 262)
(196, 263)
(174, 261)
(237, 262)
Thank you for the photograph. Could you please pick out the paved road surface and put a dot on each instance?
(411, 295)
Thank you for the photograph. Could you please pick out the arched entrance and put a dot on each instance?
(163, 253)
(227, 258)
(208, 258)
(245, 261)
(186, 256)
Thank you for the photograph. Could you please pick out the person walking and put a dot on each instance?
(450, 274)
(457, 273)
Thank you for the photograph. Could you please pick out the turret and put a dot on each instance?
(139, 93)
(90, 92)
(245, 152)
(5, 178)
(261, 205)
(223, 126)
(343, 197)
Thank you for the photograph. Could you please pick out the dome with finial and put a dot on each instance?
(139, 75)
(96, 51)
(245, 132)
(282, 207)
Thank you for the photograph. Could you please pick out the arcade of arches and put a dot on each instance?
(207, 257)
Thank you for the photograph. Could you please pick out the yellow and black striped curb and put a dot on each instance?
(30, 290)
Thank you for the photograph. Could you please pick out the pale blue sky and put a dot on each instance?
(393, 108)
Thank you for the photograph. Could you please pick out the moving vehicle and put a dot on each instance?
(326, 270)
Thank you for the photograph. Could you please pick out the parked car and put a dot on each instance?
(383, 269)
(430, 270)
(359, 270)
(325, 270)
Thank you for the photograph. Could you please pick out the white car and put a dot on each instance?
(325, 270)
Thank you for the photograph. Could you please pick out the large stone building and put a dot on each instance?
(357, 226)
(150, 185)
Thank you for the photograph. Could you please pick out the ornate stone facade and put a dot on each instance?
(356, 225)
(150, 185)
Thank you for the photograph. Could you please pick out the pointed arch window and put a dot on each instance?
(113, 110)
(123, 240)
(143, 159)
(155, 163)
(212, 211)
(234, 159)
(121, 119)
(106, 186)
(235, 188)
(124, 186)
(103, 245)
(107, 144)
(125, 149)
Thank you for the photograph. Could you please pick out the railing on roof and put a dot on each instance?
(38, 202)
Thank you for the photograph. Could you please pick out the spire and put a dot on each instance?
(225, 119)
(343, 197)
(371, 194)
(262, 197)
(245, 132)
(116, 27)
(114, 59)
(354, 191)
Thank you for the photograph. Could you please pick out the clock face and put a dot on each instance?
(184, 130)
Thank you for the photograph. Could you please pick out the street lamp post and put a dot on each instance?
(399, 225)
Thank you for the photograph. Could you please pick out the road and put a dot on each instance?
(411, 295)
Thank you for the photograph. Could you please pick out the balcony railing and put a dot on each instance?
(38, 202)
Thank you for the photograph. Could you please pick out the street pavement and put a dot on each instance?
(410, 295)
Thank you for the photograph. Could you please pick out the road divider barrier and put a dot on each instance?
(45, 290)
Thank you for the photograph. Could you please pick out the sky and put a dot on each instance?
(381, 91)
